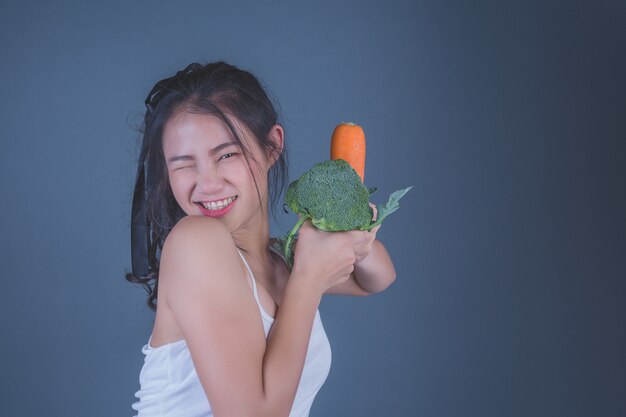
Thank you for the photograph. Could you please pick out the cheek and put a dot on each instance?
(239, 173)
(180, 189)
(256, 179)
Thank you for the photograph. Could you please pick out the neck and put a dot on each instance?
(253, 240)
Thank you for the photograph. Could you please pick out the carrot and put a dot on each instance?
(348, 143)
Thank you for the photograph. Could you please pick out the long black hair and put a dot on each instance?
(218, 89)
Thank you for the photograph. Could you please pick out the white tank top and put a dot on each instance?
(169, 384)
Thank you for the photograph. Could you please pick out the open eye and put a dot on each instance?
(227, 155)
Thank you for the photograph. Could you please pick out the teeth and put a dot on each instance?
(217, 205)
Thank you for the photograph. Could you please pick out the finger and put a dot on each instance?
(306, 225)
(359, 236)
(374, 210)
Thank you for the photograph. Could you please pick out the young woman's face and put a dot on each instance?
(207, 170)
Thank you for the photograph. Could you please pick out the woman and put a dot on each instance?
(236, 333)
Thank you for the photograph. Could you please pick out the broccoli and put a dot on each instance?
(333, 197)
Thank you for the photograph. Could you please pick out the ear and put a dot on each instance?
(276, 136)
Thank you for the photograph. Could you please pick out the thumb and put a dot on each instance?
(375, 210)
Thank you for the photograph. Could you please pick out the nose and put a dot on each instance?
(208, 180)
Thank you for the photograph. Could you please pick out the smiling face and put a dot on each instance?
(208, 172)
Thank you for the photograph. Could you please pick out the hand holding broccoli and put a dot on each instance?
(332, 196)
(337, 250)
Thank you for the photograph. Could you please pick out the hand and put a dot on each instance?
(326, 258)
(365, 239)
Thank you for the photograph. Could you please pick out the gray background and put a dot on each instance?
(509, 118)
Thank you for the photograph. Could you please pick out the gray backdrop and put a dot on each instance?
(507, 117)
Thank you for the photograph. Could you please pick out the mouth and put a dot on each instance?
(217, 208)
(218, 204)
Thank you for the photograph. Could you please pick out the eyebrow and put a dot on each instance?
(213, 151)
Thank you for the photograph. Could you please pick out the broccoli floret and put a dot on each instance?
(333, 197)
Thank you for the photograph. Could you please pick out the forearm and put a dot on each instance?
(287, 345)
(375, 272)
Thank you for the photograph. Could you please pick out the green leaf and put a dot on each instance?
(392, 205)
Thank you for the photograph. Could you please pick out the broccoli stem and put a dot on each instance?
(289, 241)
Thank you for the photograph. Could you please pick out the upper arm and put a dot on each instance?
(371, 275)
(208, 293)
(348, 287)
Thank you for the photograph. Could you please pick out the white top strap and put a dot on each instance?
(251, 275)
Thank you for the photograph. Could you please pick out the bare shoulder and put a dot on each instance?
(198, 254)
(194, 230)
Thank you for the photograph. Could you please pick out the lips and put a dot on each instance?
(217, 208)
(219, 204)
